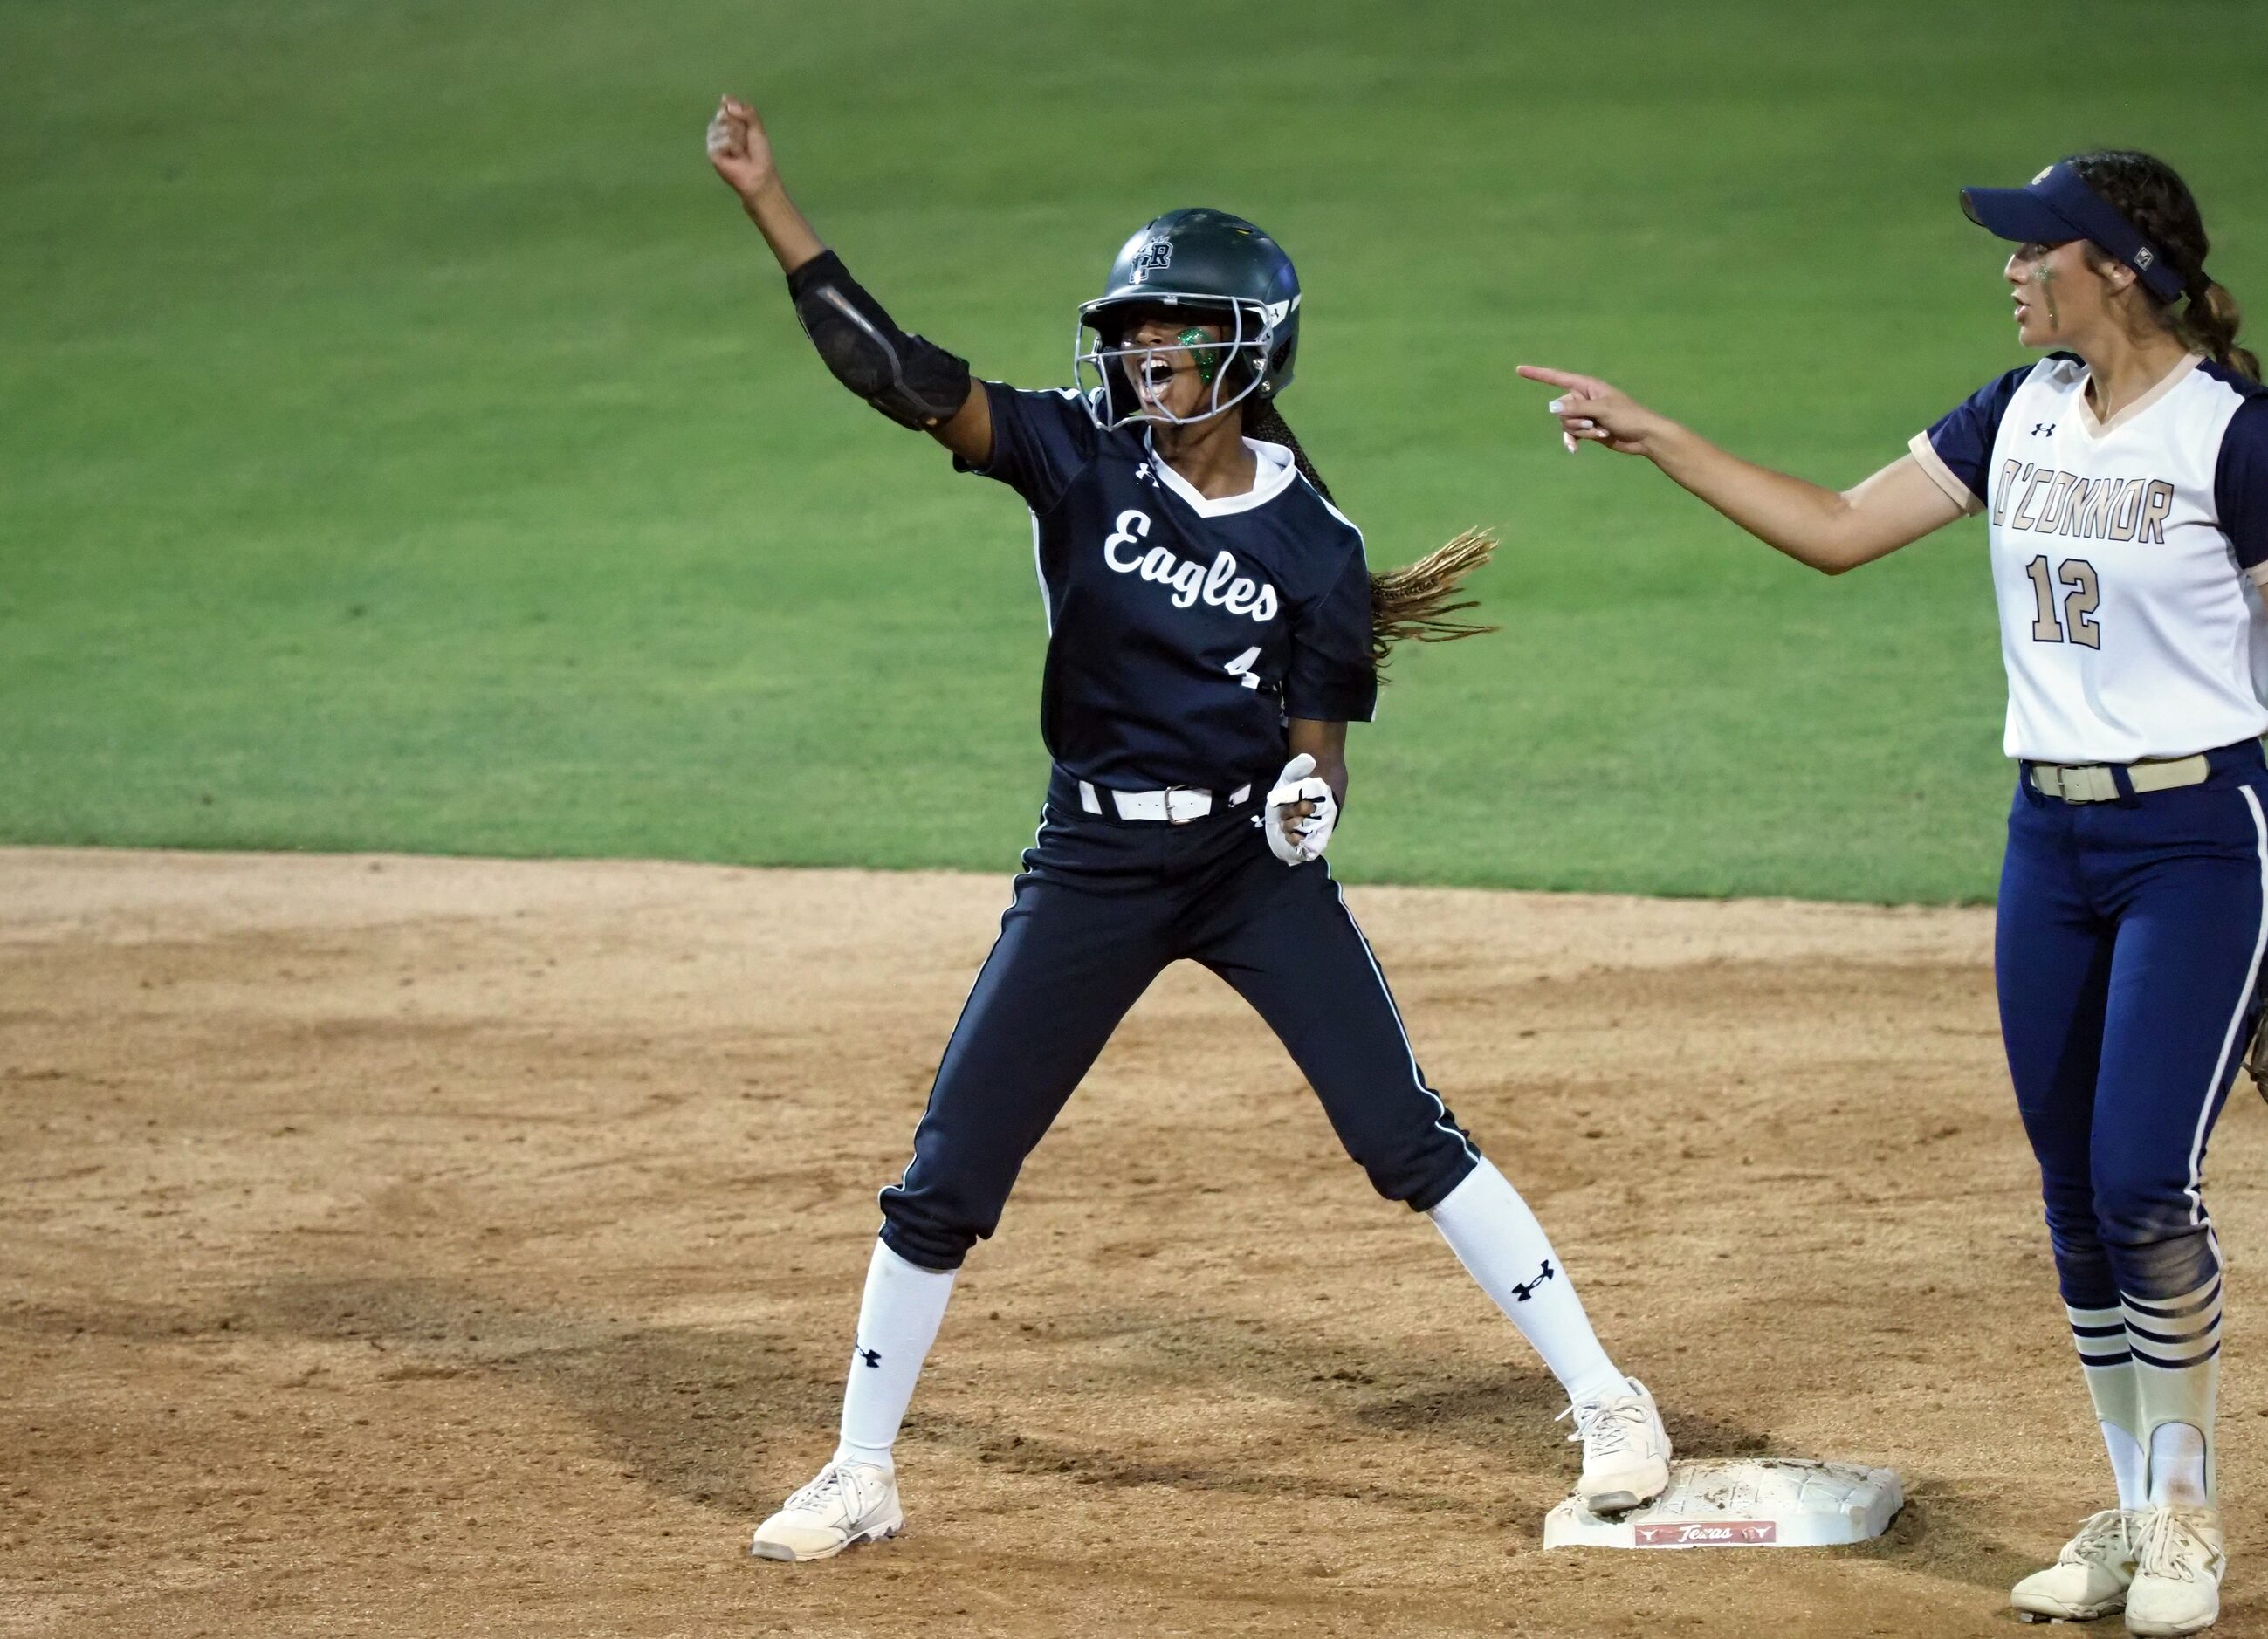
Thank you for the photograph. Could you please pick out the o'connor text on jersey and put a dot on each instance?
(2049, 502)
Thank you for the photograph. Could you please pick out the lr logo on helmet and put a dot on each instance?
(1155, 257)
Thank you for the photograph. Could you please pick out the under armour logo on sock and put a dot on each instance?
(871, 1356)
(1526, 1288)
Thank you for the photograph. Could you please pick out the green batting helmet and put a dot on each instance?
(1217, 266)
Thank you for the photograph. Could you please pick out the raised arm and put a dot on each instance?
(910, 380)
(1832, 531)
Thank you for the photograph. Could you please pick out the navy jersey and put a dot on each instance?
(1182, 632)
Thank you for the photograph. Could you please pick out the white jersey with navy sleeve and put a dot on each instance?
(2122, 552)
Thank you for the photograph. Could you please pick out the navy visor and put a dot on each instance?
(2057, 206)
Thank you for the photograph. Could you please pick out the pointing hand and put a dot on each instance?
(1590, 411)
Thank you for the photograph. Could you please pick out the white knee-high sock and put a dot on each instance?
(1503, 1248)
(2110, 1369)
(898, 1319)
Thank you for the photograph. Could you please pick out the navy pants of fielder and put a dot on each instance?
(2127, 957)
(1103, 906)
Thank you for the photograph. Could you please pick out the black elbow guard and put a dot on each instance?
(910, 378)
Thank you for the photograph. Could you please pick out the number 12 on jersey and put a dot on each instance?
(2084, 593)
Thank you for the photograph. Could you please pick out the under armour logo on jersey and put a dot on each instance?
(871, 1356)
(1142, 473)
(2042, 429)
(1527, 1289)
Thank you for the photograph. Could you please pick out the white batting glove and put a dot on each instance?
(1293, 840)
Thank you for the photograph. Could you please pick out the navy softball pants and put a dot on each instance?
(1101, 907)
(2127, 958)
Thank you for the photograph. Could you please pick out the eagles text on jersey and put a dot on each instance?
(2124, 556)
(1181, 631)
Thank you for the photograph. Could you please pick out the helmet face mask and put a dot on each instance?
(1185, 268)
(1122, 381)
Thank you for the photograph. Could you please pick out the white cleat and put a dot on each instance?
(847, 1504)
(1626, 1451)
(2089, 1576)
(2177, 1565)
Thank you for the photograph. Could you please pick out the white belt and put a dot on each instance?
(1176, 804)
(2098, 784)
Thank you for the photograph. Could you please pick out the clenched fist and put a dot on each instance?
(740, 150)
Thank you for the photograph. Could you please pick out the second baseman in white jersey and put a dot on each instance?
(2125, 482)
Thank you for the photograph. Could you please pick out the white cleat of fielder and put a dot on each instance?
(1626, 1451)
(847, 1503)
(2177, 1565)
(2089, 1576)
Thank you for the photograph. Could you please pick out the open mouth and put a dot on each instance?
(1156, 373)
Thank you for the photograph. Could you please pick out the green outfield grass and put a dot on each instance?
(405, 444)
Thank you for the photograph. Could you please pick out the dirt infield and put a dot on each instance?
(435, 1247)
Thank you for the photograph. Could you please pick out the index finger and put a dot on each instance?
(1553, 378)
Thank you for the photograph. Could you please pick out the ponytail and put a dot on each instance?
(1410, 604)
(1413, 603)
(2151, 195)
(2210, 321)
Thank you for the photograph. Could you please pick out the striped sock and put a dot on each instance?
(2176, 1349)
(2108, 1365)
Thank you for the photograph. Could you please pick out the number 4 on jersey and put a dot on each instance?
(2086, 592)
(1240, 668)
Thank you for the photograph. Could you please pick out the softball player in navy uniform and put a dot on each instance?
(2125, 477)
(1212, 630)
